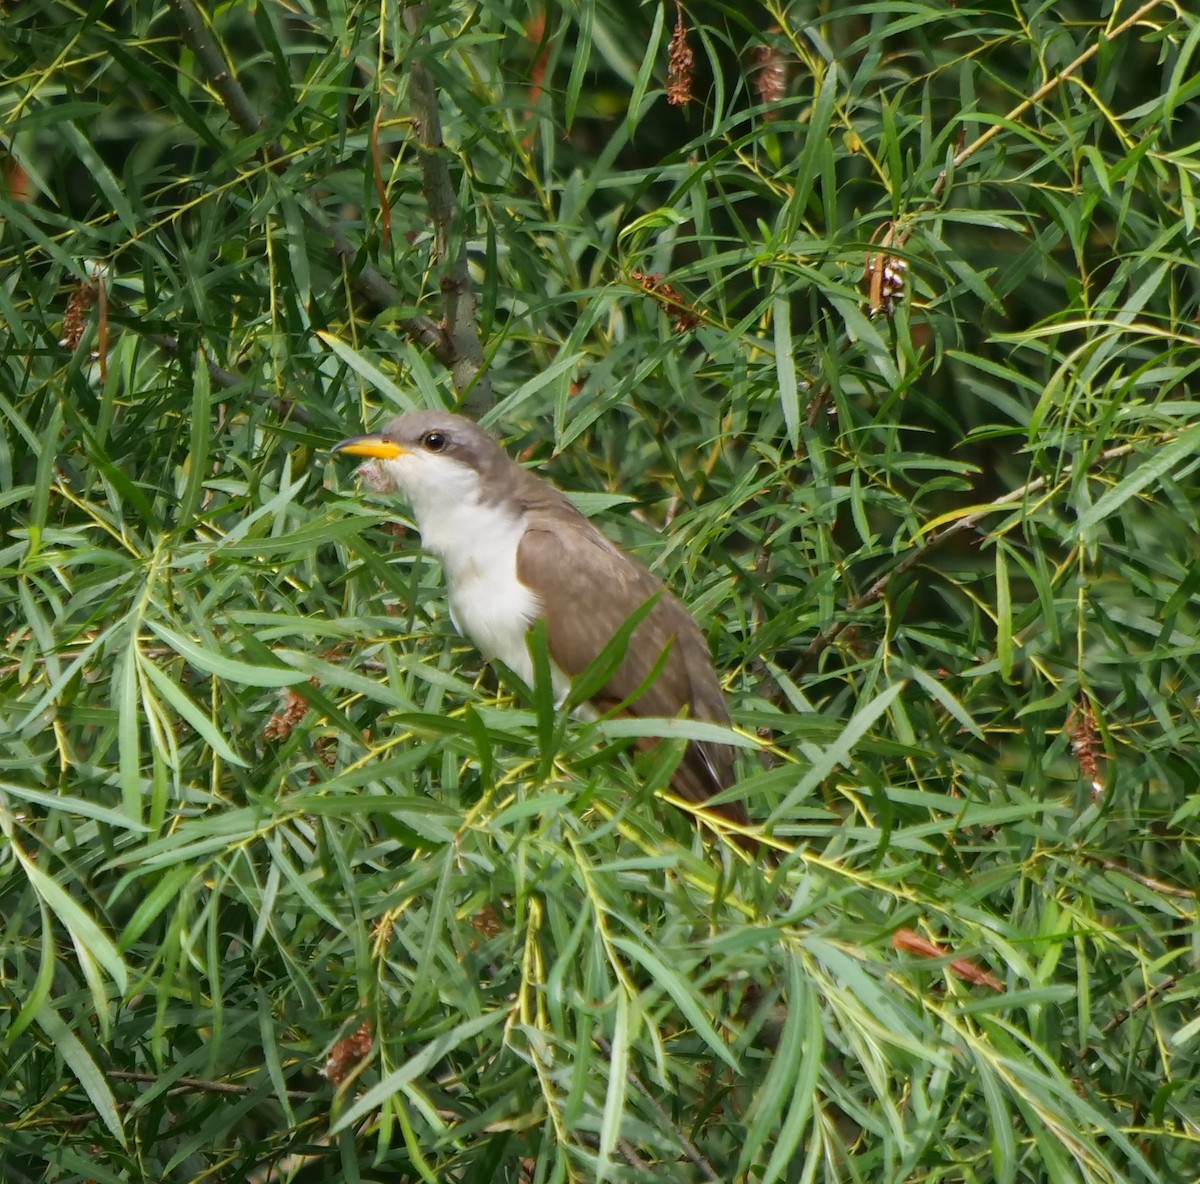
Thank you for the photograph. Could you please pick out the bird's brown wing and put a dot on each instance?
(560, 566)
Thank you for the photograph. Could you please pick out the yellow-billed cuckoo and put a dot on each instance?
(514, 549)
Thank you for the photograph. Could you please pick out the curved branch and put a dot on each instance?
(286, 409)
(456, 342)
(457, 289)
(235, 100)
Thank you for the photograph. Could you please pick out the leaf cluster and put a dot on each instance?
(291, 887)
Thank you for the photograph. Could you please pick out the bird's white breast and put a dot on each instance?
(487, 600)
(477, 543)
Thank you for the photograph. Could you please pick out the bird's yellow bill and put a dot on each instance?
(375, 446)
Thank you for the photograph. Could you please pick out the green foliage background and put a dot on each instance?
(927, 549)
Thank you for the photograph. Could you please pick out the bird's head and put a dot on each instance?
(436, 460)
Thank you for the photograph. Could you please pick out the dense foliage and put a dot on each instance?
(872, 328)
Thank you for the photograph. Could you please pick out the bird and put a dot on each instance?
(515, 549)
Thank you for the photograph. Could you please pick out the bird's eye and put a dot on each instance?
(434, 441)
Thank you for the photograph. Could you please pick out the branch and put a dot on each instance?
(241, 110)
(457, 289)
(200, 1085)
(455, 345)
(381, 294)
(285, 409)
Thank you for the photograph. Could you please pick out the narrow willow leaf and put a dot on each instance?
(199, 440)
(39, 993)
(165, 892)
(815, 141)
(231, 669)
(367, 371)
(645, 71)
(93, 162)
(129, 729)
(677, 988)
(791, 1074)
(415, 1066)
(940, 693)
(1004, 624)
(803, 1088)
(182, 704)
(1004, 1150)
(87, 1072)
(84, 931)
(1149, 471)
(562, 366)
(785, 368)
(582, 43)
(614, 1098)
(73, 805)
(841, 751)
(671, 729)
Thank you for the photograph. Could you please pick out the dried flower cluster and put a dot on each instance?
(348, 1053)
(326, 749)
(884, 276)
(82, 300)
(1085, 743)
(682, 64)
(281, 724)
(769, 76)
(487, 921)
(684, 315)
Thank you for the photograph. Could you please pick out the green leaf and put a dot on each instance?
(415, 1066)
(230, 669)
(841, 751)
(182, 704)
(785, 367)
(367, 371)
(614, 1100)
(90, 941)
(1146, 474)
(86, 1071)
(792, 1077)
(1004, 623)
(677, 988)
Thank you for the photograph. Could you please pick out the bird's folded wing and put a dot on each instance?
(589, 589)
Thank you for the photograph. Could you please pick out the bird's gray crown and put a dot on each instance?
(459, 439)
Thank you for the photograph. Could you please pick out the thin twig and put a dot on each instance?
(74, 655)
(1137, 1005)
(285, 409)
(200, 1085)
(689, 1148)
(1155, 885)
(632, 1158)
